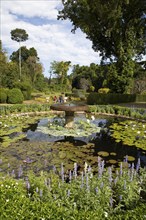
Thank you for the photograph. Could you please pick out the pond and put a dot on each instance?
(38, 148)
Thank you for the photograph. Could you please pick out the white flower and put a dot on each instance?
(88, 121)
(138, 132)
(7, 200)
(106, 214)
(92, 117)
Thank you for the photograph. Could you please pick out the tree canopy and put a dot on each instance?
(116, 28)
(19, 35)
(111, 25)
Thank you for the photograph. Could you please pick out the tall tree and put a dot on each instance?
(19, 35)
(3, 64)
(116, 28)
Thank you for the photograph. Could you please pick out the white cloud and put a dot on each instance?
(52, 39)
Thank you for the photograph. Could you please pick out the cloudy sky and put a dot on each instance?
(51, 38)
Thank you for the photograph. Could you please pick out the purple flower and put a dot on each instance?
(116, 180)
(101, 185)
(120, 198)
(68, 193)
(96, 190)
(121, 169)
(111, 201)
(41, 192)
(87, 183)
(20, 171)
(125, 185)
(13, 173)
(75, 170)
(110, 174)
(82, 179)
(70, 176)
(27, 185)
(62, 172)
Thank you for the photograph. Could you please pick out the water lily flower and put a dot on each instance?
(92, 117)
(138, 132)
(88, 121)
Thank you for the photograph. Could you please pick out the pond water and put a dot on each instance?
(42, 151)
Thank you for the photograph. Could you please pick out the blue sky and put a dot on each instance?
(51, 38)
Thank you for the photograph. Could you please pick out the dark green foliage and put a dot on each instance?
(3, 95)
(19, 35)
(15, 96)
(96, 98)
(116, 29)
(25, 53)
(25, 88)
(141, 98)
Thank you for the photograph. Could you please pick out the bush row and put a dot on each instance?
(12, 96)
(19, 108)
(137, 113)
(102, 99)
(104, 109)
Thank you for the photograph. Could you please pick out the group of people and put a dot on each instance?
(60, 99)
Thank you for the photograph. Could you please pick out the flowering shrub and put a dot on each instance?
(109, 194)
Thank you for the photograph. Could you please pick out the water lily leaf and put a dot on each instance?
(103, 153)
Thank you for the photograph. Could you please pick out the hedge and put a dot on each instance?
(103, 99)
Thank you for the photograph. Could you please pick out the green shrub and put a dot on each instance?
(26, 89)
(3, 95)
(15, 96)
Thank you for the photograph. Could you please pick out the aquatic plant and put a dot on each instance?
(132, 133)
(82, 128)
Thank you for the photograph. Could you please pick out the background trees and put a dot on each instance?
(116, 28)
(60, 70)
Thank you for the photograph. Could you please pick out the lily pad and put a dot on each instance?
(103, 153)
(112, 161)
